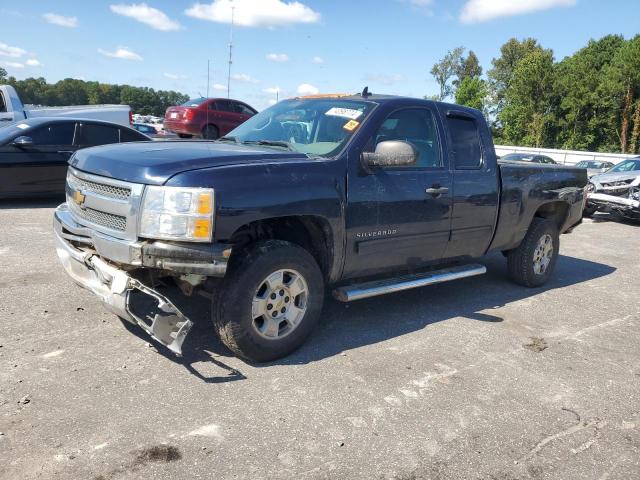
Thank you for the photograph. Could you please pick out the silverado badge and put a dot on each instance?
(79, 197)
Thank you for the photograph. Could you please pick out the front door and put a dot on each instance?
(399, 217)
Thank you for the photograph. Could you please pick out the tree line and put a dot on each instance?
(70, 91)
(587, 101)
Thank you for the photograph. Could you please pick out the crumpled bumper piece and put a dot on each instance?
(114, 287)
(614, 201)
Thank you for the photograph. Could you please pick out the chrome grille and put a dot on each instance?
(111, 191)
(104, 204)
(104, 219)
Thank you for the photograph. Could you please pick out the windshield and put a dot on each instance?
(194, 102)
(627, 166)
(314, 126)
(522, 157)
(591, 164)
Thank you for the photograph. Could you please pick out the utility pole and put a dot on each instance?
(230, 53)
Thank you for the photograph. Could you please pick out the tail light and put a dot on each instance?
(130, 117)
(188, 114)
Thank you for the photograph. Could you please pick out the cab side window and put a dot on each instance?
(94, 134)
(54, 134)
(465, 142)
(416, 126)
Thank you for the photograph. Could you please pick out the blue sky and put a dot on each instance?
(304, 46)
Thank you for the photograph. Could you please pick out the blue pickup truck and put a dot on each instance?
(361, 194)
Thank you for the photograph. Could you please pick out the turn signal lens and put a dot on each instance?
(205, 203)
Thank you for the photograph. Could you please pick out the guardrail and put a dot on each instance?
(565, 157)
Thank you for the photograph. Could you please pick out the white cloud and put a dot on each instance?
(219, 86)
(61, 20)
(307, 89)
(475, 11)
(254, 13)
(121, 52)
(383, 79)
(174, 76)
(317, 60)
(143, 13)
(14, 64)
(277, 57)
(272, 90)
(244, 78)
(13, 52)
(33, 62)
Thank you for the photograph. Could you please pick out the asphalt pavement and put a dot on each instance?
(474, 379)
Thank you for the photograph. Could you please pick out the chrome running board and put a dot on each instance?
(374, 288)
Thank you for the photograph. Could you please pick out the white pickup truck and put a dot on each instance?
(12, 109)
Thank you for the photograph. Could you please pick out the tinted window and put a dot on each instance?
(93, 134)
(127, 135)
(54, 134)
(224, 106)
(417, 127)
(465, 141)
(243, 109)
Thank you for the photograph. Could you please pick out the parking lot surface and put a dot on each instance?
(475, 379)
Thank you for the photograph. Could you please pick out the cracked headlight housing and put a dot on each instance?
(177, 213)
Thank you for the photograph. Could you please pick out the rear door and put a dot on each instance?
(228, 117)
(475, 184)
(93, 134)
(395, 218)
(41, 168)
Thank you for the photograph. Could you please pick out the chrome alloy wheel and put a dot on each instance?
(279, 304)
(543, 254)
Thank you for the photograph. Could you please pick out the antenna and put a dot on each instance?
(230, 51)
(207, 92)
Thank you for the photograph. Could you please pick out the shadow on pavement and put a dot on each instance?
(345, 326)
(21, 203)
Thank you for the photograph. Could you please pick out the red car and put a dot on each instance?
(206, 117)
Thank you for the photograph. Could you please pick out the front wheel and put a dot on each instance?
(589, 210)
(532, 263)
(270, 301)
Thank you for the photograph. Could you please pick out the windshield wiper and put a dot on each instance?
(229, 138)
(271, 143)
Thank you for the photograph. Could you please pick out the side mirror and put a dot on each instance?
(23, 141)
(391, 153)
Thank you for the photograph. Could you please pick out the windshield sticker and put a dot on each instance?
(344, 113)
(351, 125)
(22, 126)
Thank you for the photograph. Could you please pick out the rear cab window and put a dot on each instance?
(3, 104)
(465, 142)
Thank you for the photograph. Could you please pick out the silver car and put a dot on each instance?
(617, 190)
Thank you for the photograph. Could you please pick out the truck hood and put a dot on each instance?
(153, 163)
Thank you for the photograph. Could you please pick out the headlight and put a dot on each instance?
(176, 213)
(591, 188)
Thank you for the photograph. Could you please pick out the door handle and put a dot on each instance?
(436, 190)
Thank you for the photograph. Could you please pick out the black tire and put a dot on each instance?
(210, 132)
(520, 261)
(589, 210)
(184, 135)
(232, 304)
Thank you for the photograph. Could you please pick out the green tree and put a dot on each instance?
(527, 112)
(469, 67)
(445, 71)
(472, 92)
(3, 75)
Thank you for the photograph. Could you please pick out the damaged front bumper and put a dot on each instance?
(613, 202)
(93, 261)
(114, 287)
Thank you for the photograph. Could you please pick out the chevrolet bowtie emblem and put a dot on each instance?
(79, 197)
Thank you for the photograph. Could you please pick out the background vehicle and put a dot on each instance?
(594, 167)
(616, 191)
(368, 195)
(207, 117)
(527, 157)
(34, 152)
(12, 109)
(153, 132)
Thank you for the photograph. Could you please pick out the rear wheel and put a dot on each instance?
(269, 302)
(532, 263)
(210, 132)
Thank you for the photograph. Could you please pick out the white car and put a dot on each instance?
(12, 110)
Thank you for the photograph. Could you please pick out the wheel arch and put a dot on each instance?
(557, 211)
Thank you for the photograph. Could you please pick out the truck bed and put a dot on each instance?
(525, 187)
